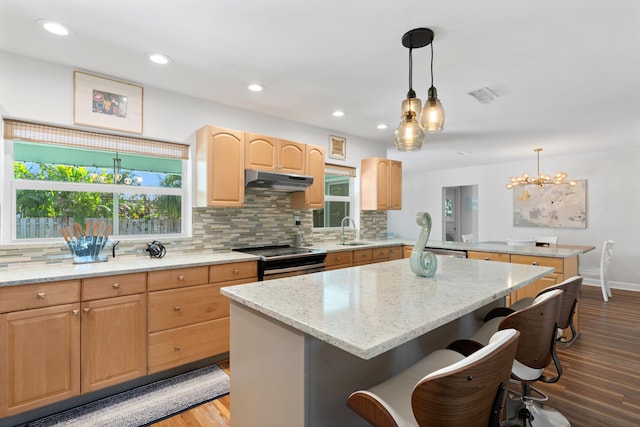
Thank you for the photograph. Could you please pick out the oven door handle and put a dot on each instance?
(318, 267)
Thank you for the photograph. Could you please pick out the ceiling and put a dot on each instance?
(565, 71)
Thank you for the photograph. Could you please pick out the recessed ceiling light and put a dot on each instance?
(338, 113)
(54, 27)
(383, 126)
(159, 58)
(256, 87)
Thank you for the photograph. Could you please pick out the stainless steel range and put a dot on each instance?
(284, 261)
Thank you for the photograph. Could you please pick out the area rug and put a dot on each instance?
(146, 404)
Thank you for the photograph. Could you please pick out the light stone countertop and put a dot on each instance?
(37, 273)
(370, 309)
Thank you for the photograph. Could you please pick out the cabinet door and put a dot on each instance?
(40, 357)
(261, 152)
(374, 184)
(114, 341)
(219, 167)
(395, 185)
(291, 157)
(312, 197)
(395, 252)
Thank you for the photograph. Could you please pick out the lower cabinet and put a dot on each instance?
(59, 340)
(40, 357)
(351, 258)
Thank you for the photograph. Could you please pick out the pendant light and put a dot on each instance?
(417, 119)
(432, 117)
(540, 180)
(409, 134)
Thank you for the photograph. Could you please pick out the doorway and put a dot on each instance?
(460, 212)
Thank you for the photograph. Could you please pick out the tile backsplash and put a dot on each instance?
(266, 219)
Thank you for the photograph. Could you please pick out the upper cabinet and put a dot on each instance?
(219, 167)
(312, 197)
(272, 154)
(381, 184)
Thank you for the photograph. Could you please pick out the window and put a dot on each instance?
(338, 197)
(59, 176)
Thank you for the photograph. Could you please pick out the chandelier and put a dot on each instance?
(540, 180)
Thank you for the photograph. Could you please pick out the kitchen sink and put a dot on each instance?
(354, 243)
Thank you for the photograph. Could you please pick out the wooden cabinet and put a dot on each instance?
(188, 316)
(396, 252)
(114, 341)
(219, 167)
(489, 256)
(39, 345)
(336, 260)
(312, 197)
(362, 256)
(381, 184)
(272, 154)
(380, 254)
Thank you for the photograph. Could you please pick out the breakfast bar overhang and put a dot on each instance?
(301, 345)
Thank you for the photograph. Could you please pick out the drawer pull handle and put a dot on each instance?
(75, 312)
(86, 309)
(236, 271)
(337, 258)
(181, 278)
(486, 258)
(177, 308)
(176, 349)
(42, 295)
(116, 285)
(534, 263)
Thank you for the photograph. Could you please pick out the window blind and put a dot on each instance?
(339, 170)
(70, 137)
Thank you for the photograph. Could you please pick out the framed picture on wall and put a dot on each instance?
(337, 147)
(106, 103)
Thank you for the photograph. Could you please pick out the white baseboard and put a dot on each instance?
(614, 285)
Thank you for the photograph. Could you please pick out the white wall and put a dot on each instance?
(41, 91)
(613, 205)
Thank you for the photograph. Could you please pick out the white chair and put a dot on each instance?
(607, 251)
(514, 242)
(467, 238)
(551, 240)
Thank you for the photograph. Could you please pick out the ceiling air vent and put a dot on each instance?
(484, 95)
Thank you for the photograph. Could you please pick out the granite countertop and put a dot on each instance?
(364, 244)
(550, 251)
(38, 273)
(370, 309)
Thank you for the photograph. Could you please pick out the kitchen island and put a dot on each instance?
(301, 345)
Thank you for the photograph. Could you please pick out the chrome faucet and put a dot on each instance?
(348, 219)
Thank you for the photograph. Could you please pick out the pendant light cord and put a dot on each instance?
(410, 70)
(431, 63)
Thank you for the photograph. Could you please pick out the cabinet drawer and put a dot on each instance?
(395, 252)
(339, 259)
(178, 278)
(489, 256)
(180, 307)
(380, 254)
(113, 286)
(556, 263)
(175, 347)
(362, 256)
(233, 271)
(37, 295)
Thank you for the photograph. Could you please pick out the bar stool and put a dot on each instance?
(537, 324)
(570, 295)
(444, 389)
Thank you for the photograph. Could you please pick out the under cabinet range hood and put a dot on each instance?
(276, 181)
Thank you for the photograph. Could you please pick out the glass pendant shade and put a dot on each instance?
(432, 117)
(409, 135)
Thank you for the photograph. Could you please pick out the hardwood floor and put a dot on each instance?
(600, 385)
